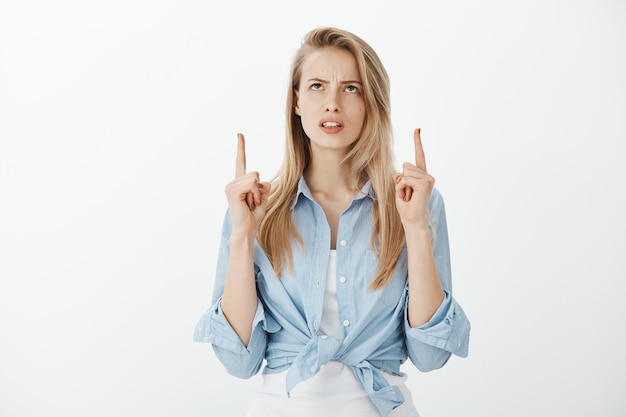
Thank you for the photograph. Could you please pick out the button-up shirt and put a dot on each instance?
(376, 333)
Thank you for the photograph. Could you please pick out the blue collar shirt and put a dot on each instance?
(376, 332)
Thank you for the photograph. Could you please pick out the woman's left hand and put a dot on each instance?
(413, 188)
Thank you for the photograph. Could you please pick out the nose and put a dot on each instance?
(332, 100)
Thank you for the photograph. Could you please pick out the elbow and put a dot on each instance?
(240, 366)
(243, 373)
(431, 362)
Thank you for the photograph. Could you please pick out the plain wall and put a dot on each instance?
(118, 126)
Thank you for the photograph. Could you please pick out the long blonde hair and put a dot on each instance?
(370, 158)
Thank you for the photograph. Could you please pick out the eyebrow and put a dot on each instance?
(326, 81)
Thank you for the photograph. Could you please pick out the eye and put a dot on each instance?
(316, 86)
(352, 89)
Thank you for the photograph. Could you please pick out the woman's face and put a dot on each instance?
(330, 99)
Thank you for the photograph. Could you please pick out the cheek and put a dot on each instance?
(305, 105)
(308, 123)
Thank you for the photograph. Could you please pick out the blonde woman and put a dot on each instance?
(337, 270)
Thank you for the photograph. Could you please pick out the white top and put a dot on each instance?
(333, 391)
(329, 324)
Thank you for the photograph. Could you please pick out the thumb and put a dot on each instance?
(264, 188)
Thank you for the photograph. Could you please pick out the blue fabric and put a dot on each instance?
(376, 333)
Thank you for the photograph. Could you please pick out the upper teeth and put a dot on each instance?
(331, 124)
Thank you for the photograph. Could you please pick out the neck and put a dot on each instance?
(327, 174)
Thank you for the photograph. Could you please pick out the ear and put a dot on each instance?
(296, 107)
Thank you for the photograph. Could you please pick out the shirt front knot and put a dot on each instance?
(320, 350)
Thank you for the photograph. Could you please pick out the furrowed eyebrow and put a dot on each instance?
(319, 80)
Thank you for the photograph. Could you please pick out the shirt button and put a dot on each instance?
(324, 337)
(343, 242)
(342, 279)
(317, 283)
(346, 323)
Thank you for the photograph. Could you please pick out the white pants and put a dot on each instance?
(332, 392)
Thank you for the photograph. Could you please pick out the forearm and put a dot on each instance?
(239, 300)
(425, 290)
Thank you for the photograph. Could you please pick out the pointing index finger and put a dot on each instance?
(420, 159)
(240, 162)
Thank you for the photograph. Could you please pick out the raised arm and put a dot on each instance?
(436, 326)
(413, 190)
(247, 199)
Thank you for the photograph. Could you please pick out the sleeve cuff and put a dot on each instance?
(213, 327)
(448, 329)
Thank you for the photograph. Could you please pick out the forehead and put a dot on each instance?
(330, 62)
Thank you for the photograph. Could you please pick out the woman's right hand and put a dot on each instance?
(247, 196)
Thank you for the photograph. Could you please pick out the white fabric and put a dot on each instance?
(332, 392)
(329, 324)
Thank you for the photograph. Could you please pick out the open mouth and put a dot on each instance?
(332, 124)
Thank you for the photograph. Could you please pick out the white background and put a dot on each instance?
(117, 136)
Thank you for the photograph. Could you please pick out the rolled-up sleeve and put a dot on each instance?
(430, 345)
(239, 360)
(213, 327)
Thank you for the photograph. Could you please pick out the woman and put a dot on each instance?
(338, 270)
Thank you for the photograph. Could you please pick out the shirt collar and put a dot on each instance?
(303, 190)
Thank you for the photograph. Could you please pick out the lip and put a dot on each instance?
(331, 129)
